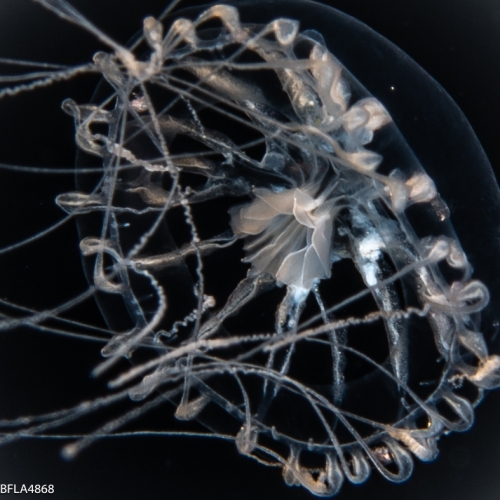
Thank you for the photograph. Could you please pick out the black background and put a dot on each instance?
(455, 41)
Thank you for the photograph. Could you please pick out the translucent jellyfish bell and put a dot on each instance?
(265, 199)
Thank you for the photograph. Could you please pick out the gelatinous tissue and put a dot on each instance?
(259, 236)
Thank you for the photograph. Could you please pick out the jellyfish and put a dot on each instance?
(269, 245)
